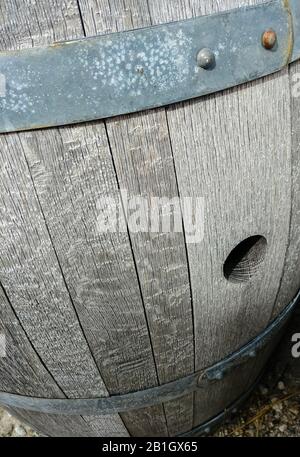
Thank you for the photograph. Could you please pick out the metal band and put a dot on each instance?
(295, 12)
(164, 393)
(122, 73)
(210, 426)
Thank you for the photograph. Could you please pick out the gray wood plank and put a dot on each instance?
(145, 167)
(144, 163)
(215, 154)
(98, 267)
(52, 425)
(222, 394)
(70, 170)
(233, 149)
(22, 372)
(241, 379)
(29, 266)
(290, 283)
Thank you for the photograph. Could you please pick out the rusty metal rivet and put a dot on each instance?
(206, 58)
(269, 39)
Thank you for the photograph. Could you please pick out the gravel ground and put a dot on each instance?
(9, 426)
(269, 412)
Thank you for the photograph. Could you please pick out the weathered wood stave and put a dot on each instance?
(87, 327)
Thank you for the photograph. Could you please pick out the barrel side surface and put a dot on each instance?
(144, 163)
(70, 322)
(22, 372)
(234, 150)
(108, 313)
(290, 283)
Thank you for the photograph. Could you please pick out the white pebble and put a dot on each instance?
(19, 431)
(282, 428)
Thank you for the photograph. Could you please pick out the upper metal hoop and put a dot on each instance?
(127, 72)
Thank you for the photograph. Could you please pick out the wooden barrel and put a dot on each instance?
(98, 315)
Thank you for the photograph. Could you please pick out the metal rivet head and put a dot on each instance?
(269, 39)
(206, 58)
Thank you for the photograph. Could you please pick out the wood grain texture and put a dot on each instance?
(98, 267)
(71, 169)
(22, 372)
(290, 284)
(233, 149)
(29, 267)
(144, 163)
(222, 394)
(239, 380)
(52, 425)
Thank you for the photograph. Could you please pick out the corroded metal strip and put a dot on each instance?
(295, 13)
(126, 72)
(211, 425)
(156, 395)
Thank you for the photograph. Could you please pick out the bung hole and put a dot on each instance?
(245, 259)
